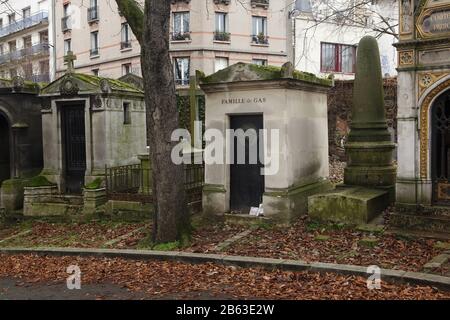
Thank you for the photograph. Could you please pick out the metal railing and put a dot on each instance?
(66, 23)
(260, 39)
(25, 23)
(260, 3)
(222, 36)
(134, 183)
(125, 45)
(37, 49)
(181, 36)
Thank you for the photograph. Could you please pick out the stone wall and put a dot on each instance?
(339, 113)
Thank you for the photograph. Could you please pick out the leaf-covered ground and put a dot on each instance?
(171, 279)
(82, 235)
(315, 243)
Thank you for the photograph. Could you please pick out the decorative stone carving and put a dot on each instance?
(69, 87)
(439, 56)
(427, 79)
(406, 58)
(287, 70)
(105, 86)
(96, 102)
(18, 82)
(424, 126)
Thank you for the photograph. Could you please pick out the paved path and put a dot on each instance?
(14, 289)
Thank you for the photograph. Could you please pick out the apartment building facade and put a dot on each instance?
(24, 40)
(205, 35)
(328, 31)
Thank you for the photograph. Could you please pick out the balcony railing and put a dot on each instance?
(66, 23)
(181, 36)
(260, 3)
(94, 52)
(41, 48)
(221, 36)
(93, 14)
(182, 82)
(225, 2)
(25, 23)
(260, 39)
(125, 45)
(43, 77)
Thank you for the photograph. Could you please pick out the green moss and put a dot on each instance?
(264, 73)
(170, 246)
(38, 181)
(96, 184)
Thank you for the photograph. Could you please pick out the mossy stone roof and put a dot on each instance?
(251, 72)
(91, 84)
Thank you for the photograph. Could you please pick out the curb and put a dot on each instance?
(396, 276)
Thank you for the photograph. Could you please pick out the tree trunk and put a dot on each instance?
(162, 119)
(171, 221)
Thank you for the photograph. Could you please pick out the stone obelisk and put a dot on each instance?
(369, 147)
(369, 179)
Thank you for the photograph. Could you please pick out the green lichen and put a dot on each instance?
(96, 184)
(264, 73)
(39, 181)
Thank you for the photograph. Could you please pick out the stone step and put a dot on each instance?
(421, 222)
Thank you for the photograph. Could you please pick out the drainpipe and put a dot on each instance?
(53, 46)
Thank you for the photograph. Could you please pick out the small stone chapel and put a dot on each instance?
(254, 98)
(88, 123)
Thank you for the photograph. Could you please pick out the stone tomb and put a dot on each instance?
(423, 180)
(294, 104)
(89, 123)
(20, 139)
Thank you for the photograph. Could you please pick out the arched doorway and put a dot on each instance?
(440, 156)
(5, 155)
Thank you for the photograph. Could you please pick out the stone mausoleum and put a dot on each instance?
(252, 98)
(20, 138)
(88, 123)
(424, 104)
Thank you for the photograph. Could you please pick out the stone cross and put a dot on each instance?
(70, 59)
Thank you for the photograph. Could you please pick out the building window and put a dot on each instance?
(220, 64)
(67, 46)
(181, 26)
(26, 12)
(11, 18)
(126, 41)
(126, 113)
(337, 58)
(260, 30)
(126, 69)
(12, 46)
(44, 71)
(93, 11)
(95, 72)
(94, 43)
(182, 66)
(65, 20)
(222, 33)
(260, 62)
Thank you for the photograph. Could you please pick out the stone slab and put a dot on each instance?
(353, 205)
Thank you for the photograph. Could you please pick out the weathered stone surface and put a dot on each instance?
(376, 229)
(369, 242)
(12, 194)
(128, 210)
(354, 205)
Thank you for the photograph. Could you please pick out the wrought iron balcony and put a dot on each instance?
(222, 36)
(29, 52)
(93, 14)
(125, 45)
(25, 23)
(42, 77)
(260, 3)
(94, 52)
(66, 24)
(181, 36)
(260, 39)
(176, 1)
(225, 2)
(182, 82)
